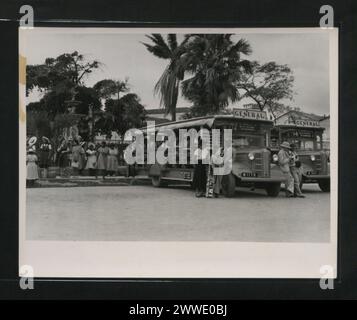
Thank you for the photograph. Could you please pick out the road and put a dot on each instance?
(144, 213)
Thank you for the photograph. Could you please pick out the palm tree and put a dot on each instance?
(216, 65)
(168, 84)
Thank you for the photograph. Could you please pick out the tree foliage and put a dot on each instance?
(109, 88)
(267, 85)
(59, 79)
(167, 87)
(216, 64)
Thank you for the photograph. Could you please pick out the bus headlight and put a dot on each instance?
(312, 157)
(275, 157)
(251, 156)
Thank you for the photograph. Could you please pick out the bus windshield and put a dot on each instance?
(306, 144)
(244, 140)
(248, 134)
(304, 139)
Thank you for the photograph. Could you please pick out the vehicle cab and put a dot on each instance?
(306, 135)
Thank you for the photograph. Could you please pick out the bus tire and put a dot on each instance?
(229, 185)
(273, 189)
(324, 185)
(156, 181)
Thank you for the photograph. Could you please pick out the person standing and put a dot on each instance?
(31, 168)
(77, 157)
(295, 171)
(44, 155)
(217, 162)
(200, 171)
(103, 151)
(112, 161)
(62, 152)
(284, 160)
(91, 160)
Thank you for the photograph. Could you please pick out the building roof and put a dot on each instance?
(162, 110)
(157, 120)
(312, 116)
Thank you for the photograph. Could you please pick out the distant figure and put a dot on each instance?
(44, 155)
(200, 172)
(91, 160)
(284, 160)
(295, 169)
(103, 151)
(112, 163)
(217, 162)
(77, 157)
(32, 169)
(62, 152)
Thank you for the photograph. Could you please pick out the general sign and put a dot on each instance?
(305, 123)
(250, 114)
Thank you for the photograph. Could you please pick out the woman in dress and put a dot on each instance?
(77, 157)
(44, 155)
(103, 151)
(62, 152)
(112, 163)
(91, 160)
(32, 169)
(200, 172)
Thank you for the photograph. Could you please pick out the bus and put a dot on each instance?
(252, 163)
(306, 135)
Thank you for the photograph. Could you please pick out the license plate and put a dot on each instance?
(249, 174)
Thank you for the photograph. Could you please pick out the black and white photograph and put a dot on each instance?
(158, 152)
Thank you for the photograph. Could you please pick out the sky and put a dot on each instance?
(124, 56)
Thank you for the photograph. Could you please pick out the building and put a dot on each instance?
(308, 119)
(158, 115)
(325, 123)
(296, 116)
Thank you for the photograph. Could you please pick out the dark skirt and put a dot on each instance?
(200, 177)
(63, 160)
(44, 160)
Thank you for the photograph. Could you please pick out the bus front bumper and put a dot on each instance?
(259, 179)
(316, 176)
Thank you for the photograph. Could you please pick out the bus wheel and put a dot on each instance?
(156, 181)
(229, 185)
(273, 189)
(324, 185)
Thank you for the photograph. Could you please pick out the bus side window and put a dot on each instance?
(318, 142)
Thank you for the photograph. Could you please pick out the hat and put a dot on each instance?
(286, 145)
(32, 140)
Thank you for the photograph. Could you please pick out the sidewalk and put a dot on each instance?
(89, 181)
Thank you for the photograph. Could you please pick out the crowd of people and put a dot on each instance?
(98, 159)
(102, 160)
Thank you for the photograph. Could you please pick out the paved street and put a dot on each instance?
(144, 213)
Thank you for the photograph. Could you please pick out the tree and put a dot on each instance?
(108, 88)
(38, 123)
(267, 85)
(168, 84)
(216, 65)
(59, 79)
(86, 96)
